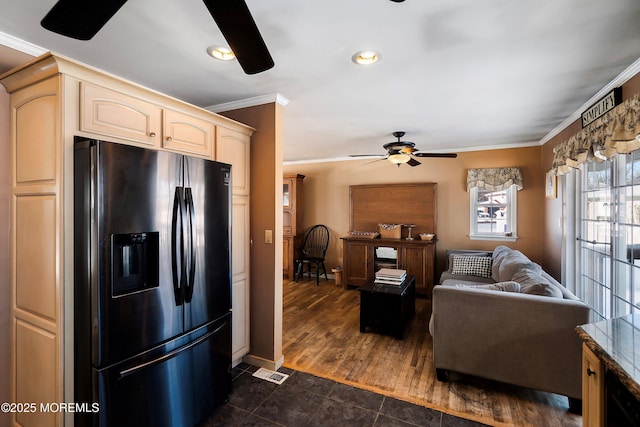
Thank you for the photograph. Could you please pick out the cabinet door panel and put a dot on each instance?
(240, 236)
(239, 319)
(357, 269)
(187, 134)
(35, 373)
(36, 145)
(106, 112)
(233, 147)
(419, 262)
(414, 261)
(240, 246)
(36, 280)
(592, 389)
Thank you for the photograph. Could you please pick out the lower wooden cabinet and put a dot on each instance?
(363, 257)
(592, 389)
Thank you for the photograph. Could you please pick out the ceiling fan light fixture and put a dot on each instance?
(221, 53)
(399, 158)
(366, 57)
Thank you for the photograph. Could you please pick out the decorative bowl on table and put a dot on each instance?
(390, 231)
(427, 236)
(364, 234)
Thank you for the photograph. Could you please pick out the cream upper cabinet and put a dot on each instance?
(188, 134)
(107, 112)
(233, 147)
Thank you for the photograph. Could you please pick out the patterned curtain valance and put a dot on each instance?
(617, 131)
(494, 179)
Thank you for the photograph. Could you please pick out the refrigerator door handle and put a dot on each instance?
(171, 354)
(177, 245)
(191, 260)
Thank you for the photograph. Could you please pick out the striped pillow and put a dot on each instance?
(472, 265)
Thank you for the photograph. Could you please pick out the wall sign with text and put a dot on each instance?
(605, 104)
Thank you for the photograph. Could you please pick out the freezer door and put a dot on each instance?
(207, 190)
(179, 384)
(129, 283)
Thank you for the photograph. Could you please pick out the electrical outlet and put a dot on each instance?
(268, 236)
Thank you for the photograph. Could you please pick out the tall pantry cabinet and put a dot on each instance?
(234, 147)
(53, 99)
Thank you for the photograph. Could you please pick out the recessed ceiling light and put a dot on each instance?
(366, 57)
(220, 52)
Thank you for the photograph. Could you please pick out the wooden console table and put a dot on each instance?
(363, 257)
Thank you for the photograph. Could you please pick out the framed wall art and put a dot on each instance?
(551, 185)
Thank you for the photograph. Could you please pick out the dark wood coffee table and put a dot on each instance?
(387, 307)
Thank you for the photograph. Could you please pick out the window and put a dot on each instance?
(493, 214)
(607, 244)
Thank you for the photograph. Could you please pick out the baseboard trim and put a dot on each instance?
(274, 365)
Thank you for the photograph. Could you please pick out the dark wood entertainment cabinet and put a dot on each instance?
(371, 205)
(362, 258)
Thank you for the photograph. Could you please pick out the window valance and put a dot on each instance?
(617, 131)
(494, 179)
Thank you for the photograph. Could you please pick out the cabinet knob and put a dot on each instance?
(590, 372)
(152, 134)
(169, 139)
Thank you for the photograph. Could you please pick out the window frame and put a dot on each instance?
(512, 216)
(613, 289)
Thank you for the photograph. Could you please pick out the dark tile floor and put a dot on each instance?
(307, 400)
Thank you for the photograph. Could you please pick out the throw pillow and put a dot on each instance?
(509, 286)
(472, 265)
(465, 253)
(533, 283)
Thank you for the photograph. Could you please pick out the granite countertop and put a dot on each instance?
(617, 343)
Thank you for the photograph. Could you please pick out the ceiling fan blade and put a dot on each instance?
(373, 161)
(241, 32)
(80, 19)
(413, 162)
(367, 155)
(441, 155)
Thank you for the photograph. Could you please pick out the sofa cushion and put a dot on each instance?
(472, 265)
(451, 279)
(509, 286)
(532, 282)
(507, 261)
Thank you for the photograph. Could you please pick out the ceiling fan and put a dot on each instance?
(399, 152)
(82, 19)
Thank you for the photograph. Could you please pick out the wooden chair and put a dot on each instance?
(314, 248)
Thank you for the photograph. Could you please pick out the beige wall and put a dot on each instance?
(326, 198)
(5, 346)
(266, 214)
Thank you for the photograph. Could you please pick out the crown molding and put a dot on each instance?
(21, 45)
(249, 102)
(621, 79)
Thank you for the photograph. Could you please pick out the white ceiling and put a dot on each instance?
(455, 74)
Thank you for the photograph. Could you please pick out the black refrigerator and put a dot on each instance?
(152, 293)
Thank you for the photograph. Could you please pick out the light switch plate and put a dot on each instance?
(268, 236)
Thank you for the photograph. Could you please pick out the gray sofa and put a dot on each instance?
(514, 325)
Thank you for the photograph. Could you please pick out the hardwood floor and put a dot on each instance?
(321, 336)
